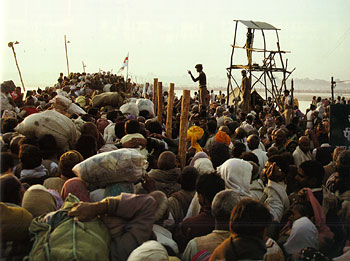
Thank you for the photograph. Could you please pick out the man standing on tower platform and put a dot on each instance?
(246, 89)
(203, 92)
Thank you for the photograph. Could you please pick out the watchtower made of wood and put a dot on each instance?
(264, 73)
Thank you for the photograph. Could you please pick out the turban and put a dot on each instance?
(222, 137)
(193, 134)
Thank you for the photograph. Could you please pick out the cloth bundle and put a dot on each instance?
(111, 167)
(64, 105)
(108, 98)
(50, 122)
(145, 105)
(130, 108)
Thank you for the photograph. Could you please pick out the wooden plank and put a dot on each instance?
(160, 103)
(185, 107)
(169, 114)
(155, 97)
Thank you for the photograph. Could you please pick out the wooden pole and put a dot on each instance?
(292, 94)
(14, 55)
(155, 97)
(160, 103)
(65, 46)
(229, 75)
(127, 75)
(83, 66)
(332, 89)
(169, 113)
(185, 107)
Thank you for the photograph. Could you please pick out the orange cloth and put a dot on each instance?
(193, 134)
(222, 137)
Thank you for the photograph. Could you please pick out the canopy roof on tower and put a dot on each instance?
(257, 25)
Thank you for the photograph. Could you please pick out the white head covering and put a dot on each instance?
(237, 174)
(198, 155)
(203, 165)
(303, 234)
(150, 250)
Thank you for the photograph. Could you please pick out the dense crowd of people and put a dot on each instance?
(263, 185)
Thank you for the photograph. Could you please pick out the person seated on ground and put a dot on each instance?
(163, 235)
(275, 195)
(128, 217)
(48, 147)
(154, 135)
(8, 129)
(14, 150)
(38, 200)
(280, 140)
(150, 251)
(310, 175)
(222, 137)
(241, 136)
(247, 125)
(256, 185)
(28, 108)
(248, 225)
(222, 206)
(302, 233)
(6, 163)
(30, 167)
(332, 167)
(253, 142)
(14, 219)
(203, 166)
(132, 130)
(67, 161)
(194, 134)
(180, 201)
(219, 116)
(211, 127)
(344, 217)
(237, 174)
(90, 129)
(238, 149)
(269, 139)
(302, 152)
(291, 146)
(77, 187)
(218, 154)
(86, 146)
(207, 186)
(323, 154)
(166, 176)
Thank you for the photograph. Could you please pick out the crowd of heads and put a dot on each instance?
(257, 185)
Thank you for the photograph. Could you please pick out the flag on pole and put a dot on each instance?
(125, 63)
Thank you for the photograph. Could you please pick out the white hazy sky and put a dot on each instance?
(165, 38)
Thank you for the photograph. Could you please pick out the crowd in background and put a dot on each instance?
(266, 185)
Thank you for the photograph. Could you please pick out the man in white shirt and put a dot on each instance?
(212, 96)
(310, 117)
(253, 144)
(302, 152)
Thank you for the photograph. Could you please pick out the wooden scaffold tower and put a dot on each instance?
(263, 74)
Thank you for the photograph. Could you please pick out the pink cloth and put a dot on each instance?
(76, 187)
(324, 233)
